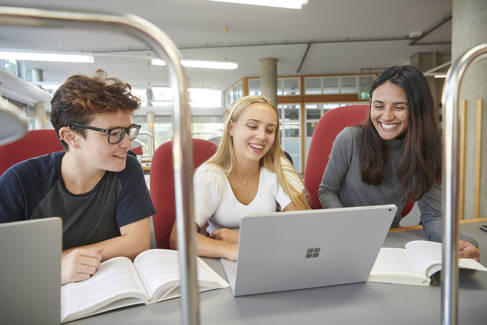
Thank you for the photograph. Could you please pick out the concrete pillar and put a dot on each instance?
(21, 70)
(149, 95)
(40, 108)
(469, 29)
(425, 61)
(268, 78)
(150, 127)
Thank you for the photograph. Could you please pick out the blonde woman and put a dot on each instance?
(247, 174)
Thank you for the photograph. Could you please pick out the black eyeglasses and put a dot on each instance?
(114, 135)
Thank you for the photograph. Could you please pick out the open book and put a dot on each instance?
(152, 277)
(415, 264)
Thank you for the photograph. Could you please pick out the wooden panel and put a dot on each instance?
(295, 99)
(463, 130)
(478, 158)
(245, 86)
(302, 114)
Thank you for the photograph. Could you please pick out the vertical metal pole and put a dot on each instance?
(182, 148)
(451, 163)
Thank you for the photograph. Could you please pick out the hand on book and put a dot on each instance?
(226, 234)
(80, 264)
(468, 250)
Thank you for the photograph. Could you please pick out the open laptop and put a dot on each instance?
(30, 271)
(281, 251)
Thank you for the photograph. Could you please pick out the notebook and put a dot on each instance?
(281, 251)
(30, 282)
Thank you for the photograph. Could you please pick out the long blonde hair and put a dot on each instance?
(273, 160)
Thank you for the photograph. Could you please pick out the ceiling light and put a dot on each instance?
(442, 75)
(290, 4)
(46, 56)
(225, 65)
(158, 62)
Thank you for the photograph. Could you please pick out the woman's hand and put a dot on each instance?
(225, 234)
(468, 250)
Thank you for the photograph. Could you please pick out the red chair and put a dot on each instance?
(34, 143)
(162, 185)
(332, 123)
(138, 151)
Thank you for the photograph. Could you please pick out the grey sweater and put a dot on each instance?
(342, 184)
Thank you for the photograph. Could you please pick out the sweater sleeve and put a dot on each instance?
(336, 169)
(430, 208)
(208, 186)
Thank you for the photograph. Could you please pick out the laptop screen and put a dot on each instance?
(30, 271)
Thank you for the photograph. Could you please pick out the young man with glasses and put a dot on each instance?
(94, 186)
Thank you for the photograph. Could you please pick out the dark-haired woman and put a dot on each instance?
(394, 157)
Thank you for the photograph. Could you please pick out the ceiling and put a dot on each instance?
(345, 36)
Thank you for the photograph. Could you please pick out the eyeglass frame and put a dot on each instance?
(124, 132)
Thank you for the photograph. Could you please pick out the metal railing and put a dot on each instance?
(451, 174)
(151, 144)
(182, 148)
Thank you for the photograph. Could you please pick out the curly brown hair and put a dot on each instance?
(80, 97)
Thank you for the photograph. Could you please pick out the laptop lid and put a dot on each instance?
(303, 249)
(30, 282)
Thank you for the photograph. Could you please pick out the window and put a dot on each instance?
(313, 86)
(207, 127)
(254, 87)
(348, 85)
(291, 132)
(232, 94)
(338, 85)
(290, 86)
(330, 85)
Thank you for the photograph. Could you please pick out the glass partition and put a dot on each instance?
(291, 132)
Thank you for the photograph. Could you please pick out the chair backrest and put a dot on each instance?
(162, 185)
(34, 143)
(325, 132)
(330, 124)
(138, 151)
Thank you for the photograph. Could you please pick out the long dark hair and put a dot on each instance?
(420, 164)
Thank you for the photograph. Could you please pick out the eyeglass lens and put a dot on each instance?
(116, 135)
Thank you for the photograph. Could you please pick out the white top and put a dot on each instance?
(216, 203)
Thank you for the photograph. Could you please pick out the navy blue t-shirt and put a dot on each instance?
(34, 189)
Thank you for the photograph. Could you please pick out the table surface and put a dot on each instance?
(359, 303)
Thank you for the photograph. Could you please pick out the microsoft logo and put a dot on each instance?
(312, 252)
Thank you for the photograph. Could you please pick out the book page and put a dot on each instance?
(394, 266)
(471, 264)
(207, 277)
(426, 255)
(159, 271)
(116, 279)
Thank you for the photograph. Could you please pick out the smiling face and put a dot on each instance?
(389, 110)
(254, 131)
(95, 149)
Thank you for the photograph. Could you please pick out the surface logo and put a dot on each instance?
(313, 252)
